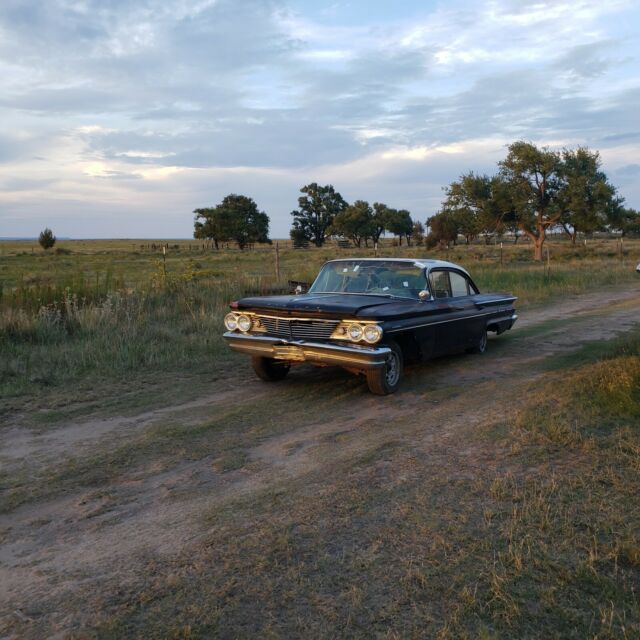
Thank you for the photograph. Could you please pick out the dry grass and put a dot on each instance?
(401, 542)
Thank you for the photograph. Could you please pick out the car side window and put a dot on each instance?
(440, 284)
(459, 284)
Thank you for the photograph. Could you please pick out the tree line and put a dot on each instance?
(535, 189)
(322, 213)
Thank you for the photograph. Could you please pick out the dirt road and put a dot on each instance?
(107, 496)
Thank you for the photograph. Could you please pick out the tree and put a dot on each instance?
(625, 220)
(355, 223)
(210, 224)
(534, 177)
(443, 229)
(46, 239)
(380, 220)
(585, 194)
(399, 223)
(467, 200)
(235, 218)
(316, 211)
(500, 214)
(631, 223)
(298, 237)
(418, 233)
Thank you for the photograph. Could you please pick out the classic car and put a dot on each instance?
(369, 316)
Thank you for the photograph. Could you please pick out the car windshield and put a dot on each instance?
(371, 277)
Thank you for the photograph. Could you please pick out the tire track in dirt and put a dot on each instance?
(55, 548)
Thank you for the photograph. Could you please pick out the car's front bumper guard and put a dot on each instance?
(355, 356)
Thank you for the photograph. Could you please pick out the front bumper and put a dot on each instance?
(350, 355)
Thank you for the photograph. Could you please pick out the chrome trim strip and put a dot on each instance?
(490, 303)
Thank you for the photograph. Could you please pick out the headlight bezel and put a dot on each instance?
(242, 317)
(355, 332)
(344, 332)
(231, 321)
(377, 329)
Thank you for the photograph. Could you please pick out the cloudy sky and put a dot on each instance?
(118, 118)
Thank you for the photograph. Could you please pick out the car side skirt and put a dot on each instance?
(349, 356)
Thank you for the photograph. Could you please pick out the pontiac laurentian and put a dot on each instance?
(369, 316)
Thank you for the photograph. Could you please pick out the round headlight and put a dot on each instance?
(372, 333)
(231, 321)
(355, 332)
(244, 323)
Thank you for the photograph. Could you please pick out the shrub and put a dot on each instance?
(46, 239)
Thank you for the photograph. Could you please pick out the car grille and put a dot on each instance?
(299, 329)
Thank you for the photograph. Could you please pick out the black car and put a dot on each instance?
(369, 316)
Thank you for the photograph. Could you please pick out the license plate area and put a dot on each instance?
(288, 352)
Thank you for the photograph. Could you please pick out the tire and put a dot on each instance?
(268, 369)
(481, 344)
(385, 380)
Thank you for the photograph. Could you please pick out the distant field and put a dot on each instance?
(133, 263)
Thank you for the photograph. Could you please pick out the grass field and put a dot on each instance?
(102, 311)
(152, 488)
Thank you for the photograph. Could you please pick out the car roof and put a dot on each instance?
(423, 263)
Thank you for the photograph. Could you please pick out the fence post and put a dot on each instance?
(620, 249)
(548, 262)
(277, 262)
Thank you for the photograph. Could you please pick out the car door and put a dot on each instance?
(469, 323)
(442, 327)
(453, 294)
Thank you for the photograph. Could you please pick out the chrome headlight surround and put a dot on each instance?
(231, 321)
(372, 333)
(244, 322)
(355, 332)
(363, 331)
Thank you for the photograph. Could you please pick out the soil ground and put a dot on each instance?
(109, 498)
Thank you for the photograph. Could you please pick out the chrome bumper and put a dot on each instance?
(356, 356)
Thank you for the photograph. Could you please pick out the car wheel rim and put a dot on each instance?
(393, 370)
(483, 343)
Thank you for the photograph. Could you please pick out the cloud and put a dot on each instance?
(164, 105)
(587, 61)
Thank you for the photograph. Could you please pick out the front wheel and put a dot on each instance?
(385, 380)
(268, 369)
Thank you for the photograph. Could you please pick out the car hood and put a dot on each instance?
(343, 305)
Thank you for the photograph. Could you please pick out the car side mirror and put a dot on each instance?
(298, 289)
(424, 295)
